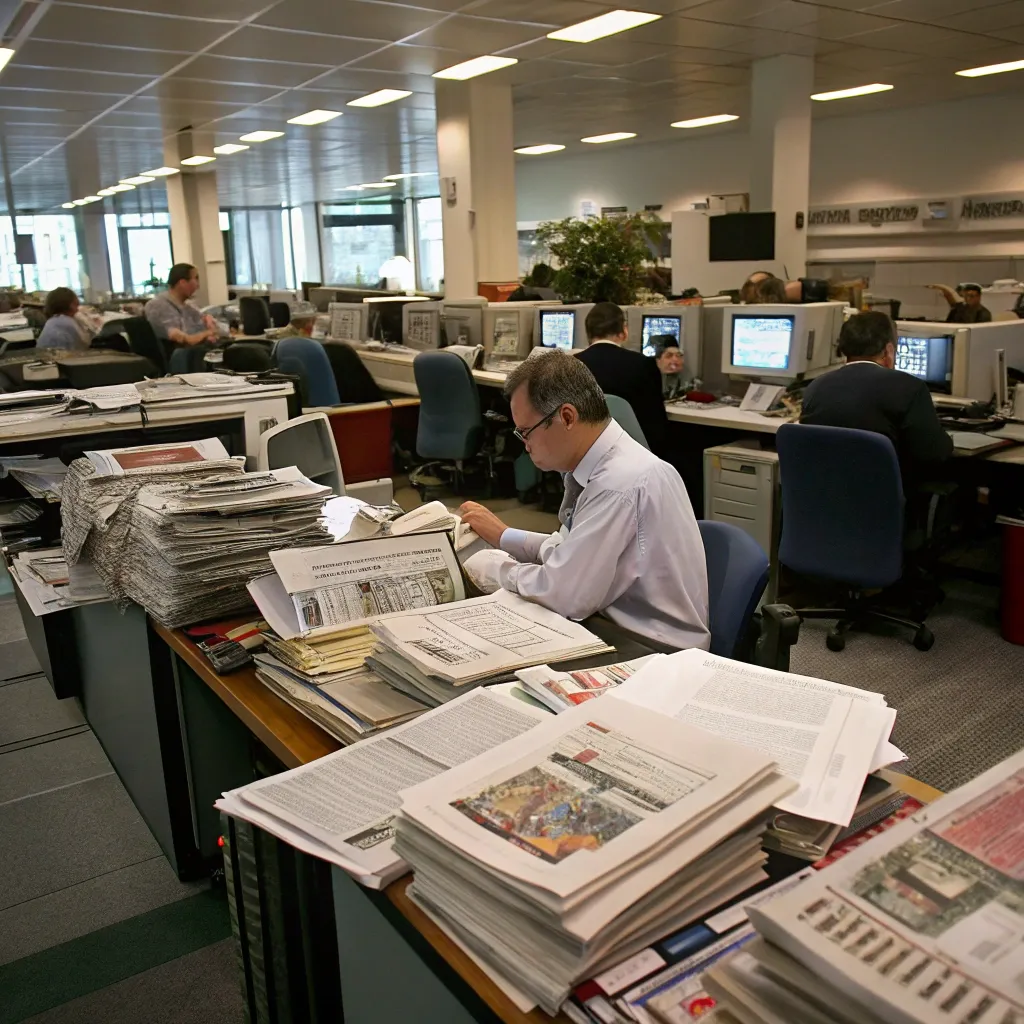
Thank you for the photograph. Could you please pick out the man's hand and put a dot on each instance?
(484, 523)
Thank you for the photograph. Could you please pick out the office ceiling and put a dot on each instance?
(94, 89)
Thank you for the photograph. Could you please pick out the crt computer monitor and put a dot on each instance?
(557, 328)
(348, 321)
(761, 344)
(421, 325)
(508, 331)
(929, 358)
(654, 324)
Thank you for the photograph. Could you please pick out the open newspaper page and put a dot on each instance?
(583, 795)
(316, 590)
(483, 637)
(562, 690)
(926, 922)
(345, 802)
(144, 458)
(823, 735)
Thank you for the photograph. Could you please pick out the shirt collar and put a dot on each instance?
(604, 341)
(597, 451)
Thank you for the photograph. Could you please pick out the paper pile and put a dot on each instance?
(922, 924)
(43, 577)
(430, 654)
(582, 841)
(563, 690)
(389, 521)
(340, 807)
(41, 477)
(190, 386)
(194, 545)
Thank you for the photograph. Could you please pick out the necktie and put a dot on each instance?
(573, 490)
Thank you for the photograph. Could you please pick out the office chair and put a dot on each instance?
(254, 313)
(307, 359)
(247, 357)
(143, 341)
(622, 413)
(280, 314)
(843, 521)
(354, 380)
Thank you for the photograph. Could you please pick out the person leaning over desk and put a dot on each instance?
(61, 329)
(629, 545)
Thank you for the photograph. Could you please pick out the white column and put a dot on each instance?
(478, 187)
(93, 249)
(780, 151)
(195, 218)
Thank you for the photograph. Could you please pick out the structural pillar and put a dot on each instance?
(476, 165)
(84, 178)
(194, 211)
(780, 152)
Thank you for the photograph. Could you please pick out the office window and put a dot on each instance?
(430, 263)
(359, 237)
(265, 246)
(56, 249)
(138, 251)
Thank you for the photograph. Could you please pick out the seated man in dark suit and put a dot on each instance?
(630, 375)
(869, 394)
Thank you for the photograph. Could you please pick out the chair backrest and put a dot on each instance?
(308, 443)
(622, 413)
(254, 314)
(354, 380)
(247, 357)
(737, 575)
(143, 341)
(307, 358)
(450, 425)
(842, 505)
(280, 314)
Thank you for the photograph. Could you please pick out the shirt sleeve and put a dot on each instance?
(595, 563)
(923, 438)
(527, 546)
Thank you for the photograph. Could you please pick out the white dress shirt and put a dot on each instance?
(633, 550)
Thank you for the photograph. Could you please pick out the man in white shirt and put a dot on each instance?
(629, 545)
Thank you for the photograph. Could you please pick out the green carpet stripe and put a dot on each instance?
(101, 958)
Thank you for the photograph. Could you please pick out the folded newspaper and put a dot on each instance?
(562, 690)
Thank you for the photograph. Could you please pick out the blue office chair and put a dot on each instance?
(307, 359)
(622, 413)
(737, 575)
(843, 521)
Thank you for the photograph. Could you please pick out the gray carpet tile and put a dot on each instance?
(200, 988)
(47, 766)
(959, 706)
(18, 659)
(79, 909)
(64, 837)
(11, 627)
(29, 709)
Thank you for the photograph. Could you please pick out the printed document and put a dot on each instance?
(822, 735)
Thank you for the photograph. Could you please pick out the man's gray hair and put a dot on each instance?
(554, 379)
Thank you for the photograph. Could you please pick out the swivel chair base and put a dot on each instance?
(859, 614)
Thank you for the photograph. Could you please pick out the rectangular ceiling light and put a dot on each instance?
(474, 67)
(845, 94)
(603, 25)
(198, 161)
(67, 206)
(610, 137)
(139, 179)
(549, 147)
(91, 199)
(228, 148)
(123, 187)
(79, 202)
(106, 192)
(315, 117)
(378, 184)
(700, 122)
(379, 98)
(161, 172)
(6, 53)
(261, 136)
(408, 174)
(992, 69)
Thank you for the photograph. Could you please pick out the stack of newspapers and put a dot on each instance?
(921, 925)
(583, 840)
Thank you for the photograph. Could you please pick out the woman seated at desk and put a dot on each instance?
(62, 329)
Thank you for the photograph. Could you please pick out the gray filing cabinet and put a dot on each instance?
(741, 486)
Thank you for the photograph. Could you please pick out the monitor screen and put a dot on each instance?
(762, 342)
(741, 236)
(557, 327)
(505, 339)
(423, 328)
(929, 359)
(652, 326)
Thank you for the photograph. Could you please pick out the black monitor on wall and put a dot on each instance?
(741, 236)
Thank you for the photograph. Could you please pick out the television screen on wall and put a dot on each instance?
(741, 236)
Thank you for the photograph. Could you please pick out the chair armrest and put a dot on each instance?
(780, 629)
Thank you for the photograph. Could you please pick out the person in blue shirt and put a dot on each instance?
(61, 330)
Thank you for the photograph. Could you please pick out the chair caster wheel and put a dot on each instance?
(924, 638)
(835, 642)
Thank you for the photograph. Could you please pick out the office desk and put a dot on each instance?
(393, 372)
(79, 368)
(725, 418)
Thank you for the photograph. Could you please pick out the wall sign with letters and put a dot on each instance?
(993, 212)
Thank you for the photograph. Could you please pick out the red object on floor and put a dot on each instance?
(364, 443)
(1013, 583)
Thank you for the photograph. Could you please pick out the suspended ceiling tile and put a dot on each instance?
(351, 18)
(719, 75)
(931, 12)
(184, 89)
(52, 99)
(842, 24)
(1016, 33)
(732, 12)
(250, 72)
(680, 30)
(72, 81)
(702, 55)
(294, 47)
(862, 58)
(222, 10)
(478, 35)
(64, 56)
(556, 13)
(363, 81)
(94, 25)
(925, 39)
(416, 60)
(992, 19)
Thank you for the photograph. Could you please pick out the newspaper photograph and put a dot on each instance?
(316, 590)
(561, 690)
(131, 461)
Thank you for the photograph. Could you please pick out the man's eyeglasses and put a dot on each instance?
(524, 434)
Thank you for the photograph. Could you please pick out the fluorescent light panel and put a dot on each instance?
(315, 117)
(105, 192)
(548, 147)
(989, 69)
(474, 67)
(378, 184)
(91, 199)
(123, 187)
(260, 136)
(161, 172)
(198, 161)
(701, 122)
(379, 98)
(408, 174)
(79, 202)
(603, 25)
(67, 206)
(845, 94)
(610, 137)
(139, 179)
(228, 148)
(6, 53)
